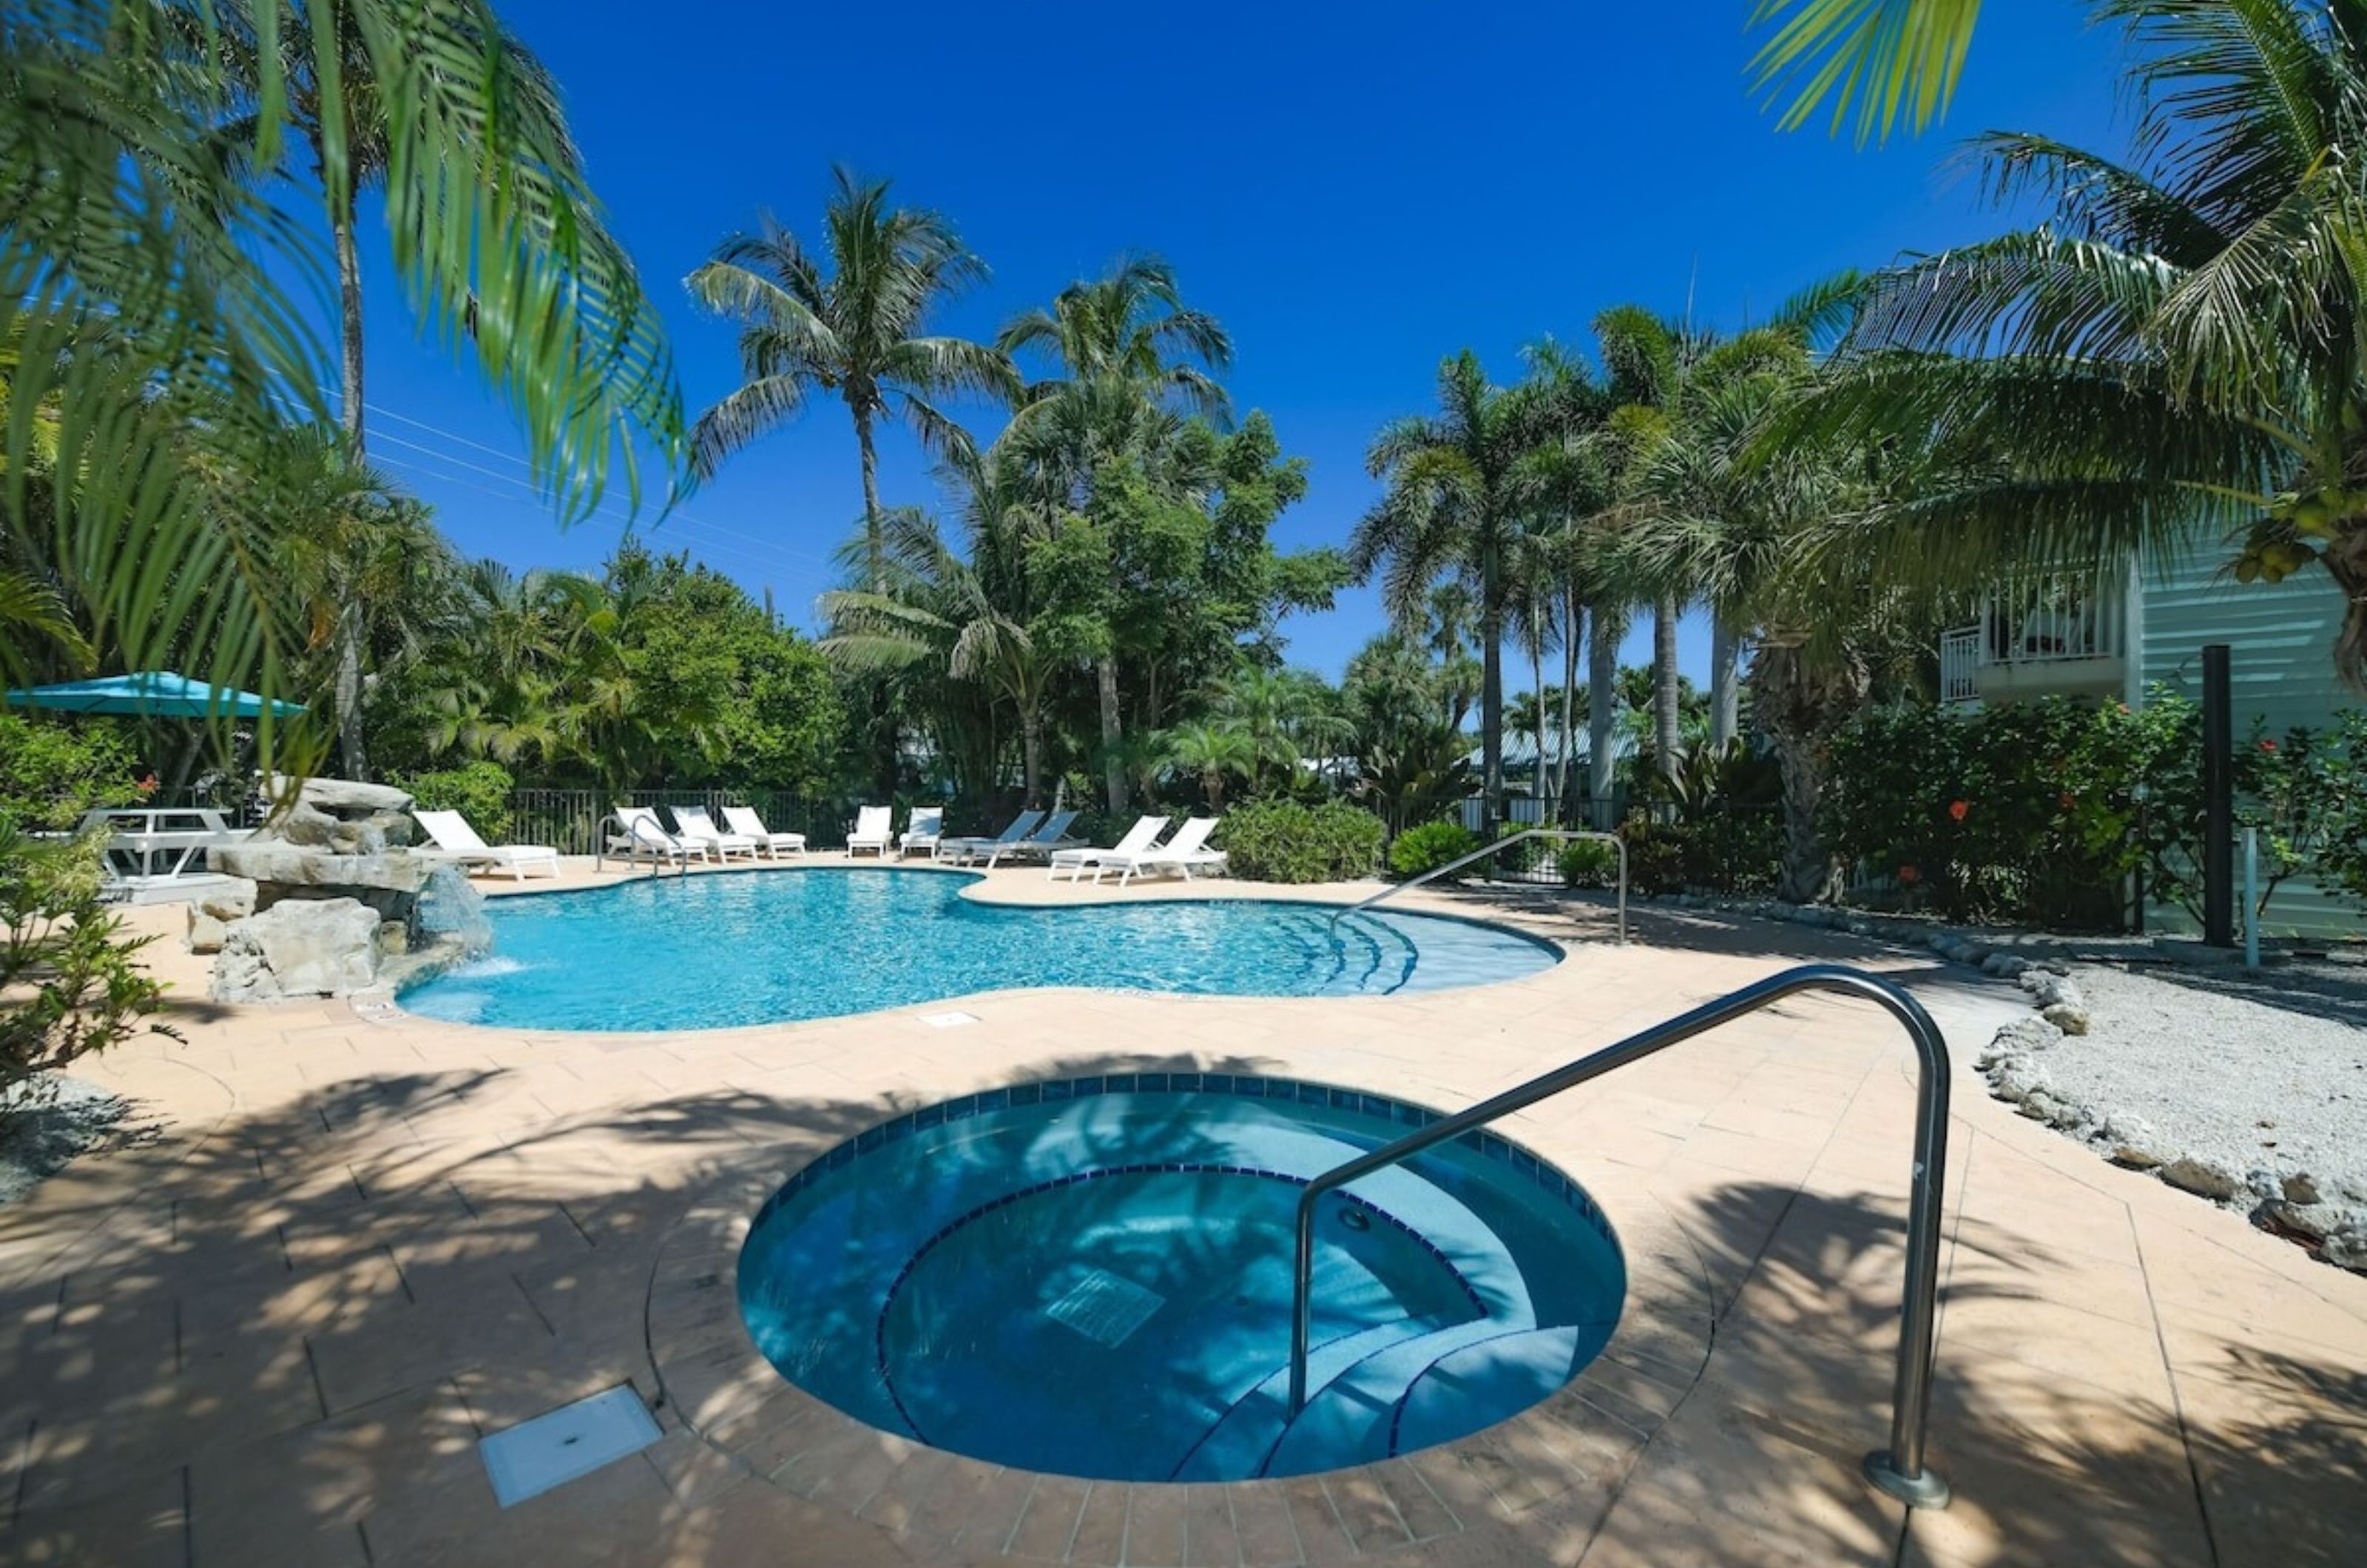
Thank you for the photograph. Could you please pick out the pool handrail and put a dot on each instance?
(1484, 851)
(1898, 1471)
(661, 848)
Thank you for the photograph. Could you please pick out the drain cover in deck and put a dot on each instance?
(556, 1447)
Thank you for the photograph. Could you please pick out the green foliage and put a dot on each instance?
(479, 791)
(69, 982)
(1588, 863)
(1656, 853)
(1429, 846)
(52, 773)
(2036, 812)
(1284, 840)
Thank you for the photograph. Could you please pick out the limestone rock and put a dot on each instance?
(210, 913)
(2347, 1248)
(303, 947)
(2299, 1187)
(2063, 1016)
(348, 797)
(2199, 1178)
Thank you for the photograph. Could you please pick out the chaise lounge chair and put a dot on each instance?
(635, 832)
(922, 832)
(1183, 854)
(1053, 835)
(453, 836)
(1139, 838)
(873, 826)
(968, 847)
(748, 825)
(695, 826)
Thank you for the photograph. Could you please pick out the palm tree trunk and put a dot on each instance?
(1602, 711)
(1031, 752)
(349, 693)
(1573, 622)
(1537, 689)
(1112, 764)
(1491, 720)
(875, 544)
(1666, 738)
(349, 330)
(1800, 703)
(1725, 690)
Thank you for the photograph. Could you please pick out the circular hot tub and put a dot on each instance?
(1091, 1276)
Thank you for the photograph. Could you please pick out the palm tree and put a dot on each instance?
(936, 612)
(1213, 752)
(528, 97)
(1453, 506)
(144, 284)
(1133, 360)
(2179, 350)
(855, 330)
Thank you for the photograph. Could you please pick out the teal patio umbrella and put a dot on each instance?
(151, 693)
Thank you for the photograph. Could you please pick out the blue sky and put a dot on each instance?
(1354, 195)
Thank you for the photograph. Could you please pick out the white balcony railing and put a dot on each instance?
(2039, 631)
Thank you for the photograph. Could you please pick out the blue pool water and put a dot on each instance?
(709, 952)
(1091, 1276)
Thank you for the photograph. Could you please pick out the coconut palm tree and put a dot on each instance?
(856, 329)
(1452, 507)
(306, 29)
(2180, 350)
(936, 613)
(1133, 361)
(145, 283)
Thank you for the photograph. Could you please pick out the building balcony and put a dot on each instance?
(2046, 636)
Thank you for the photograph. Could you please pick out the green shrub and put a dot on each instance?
(1656, 853)
(1429, 846)
(52, 772)
(67, 974)
(1588, 863)
(1284, 840)
(478, 791)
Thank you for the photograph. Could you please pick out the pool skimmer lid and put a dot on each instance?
(557, 1445)
(1104, 1308)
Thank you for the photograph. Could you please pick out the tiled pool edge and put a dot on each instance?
(1552, 1470)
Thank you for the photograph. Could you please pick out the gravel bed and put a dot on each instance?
(2248, 1073)
(39, 1133)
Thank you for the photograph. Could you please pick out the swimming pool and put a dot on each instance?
(1091, 1276)
(710, 952)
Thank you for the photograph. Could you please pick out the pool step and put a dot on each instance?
(1480, 1383)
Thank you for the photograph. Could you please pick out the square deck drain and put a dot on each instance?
(557, 1446)
(947, 1019)
(1104, 1308)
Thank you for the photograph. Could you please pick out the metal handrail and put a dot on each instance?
(1898, 1470)
(1434, 873)
(631, 828)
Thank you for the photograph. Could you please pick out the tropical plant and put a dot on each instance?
(1425, 849)
(480, 791)
(52, 772)
(1287, 841)
(70, 980)
(145, 288)
(1130, 327)
(2175, 354)
(1211, 753)
(856, 330)
(1452, 507)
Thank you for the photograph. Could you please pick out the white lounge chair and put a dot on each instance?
(1139, 838)
(873, 826)
(453, 836)
(635, 831)
(968, 846)
(922, 832)
(1183, 854)
(1052, 834)
(748, 825)
(695, 826)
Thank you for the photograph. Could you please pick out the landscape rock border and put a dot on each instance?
(2332, 1226)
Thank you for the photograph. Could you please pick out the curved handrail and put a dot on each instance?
(631, 828)
(1897, 1470)
(1434, 873)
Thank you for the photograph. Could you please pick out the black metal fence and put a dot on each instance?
(568, 819)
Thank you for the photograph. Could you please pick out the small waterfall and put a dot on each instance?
(451, 910)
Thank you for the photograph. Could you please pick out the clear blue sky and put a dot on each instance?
(1354, 196)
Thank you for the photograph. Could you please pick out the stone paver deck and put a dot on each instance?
(349, 1242)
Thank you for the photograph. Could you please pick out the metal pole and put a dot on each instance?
(2218, 800)
(2252, 897)
(1899, 1471)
